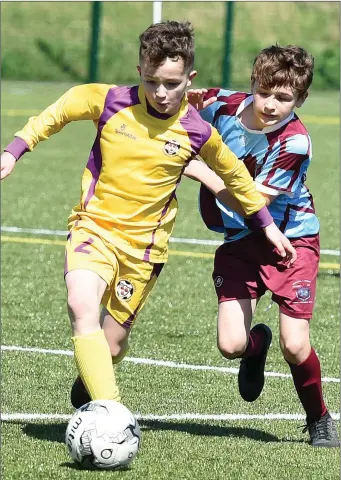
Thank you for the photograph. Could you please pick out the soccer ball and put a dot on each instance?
(103, 434)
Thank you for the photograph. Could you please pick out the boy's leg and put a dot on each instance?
(234, 323)
(90, 267)
(306, 372)
(294, 291)
(238, 285)
(235, 340)
(117, 338)
(92, 353)
(132, 283)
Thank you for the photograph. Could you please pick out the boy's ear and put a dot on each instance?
(190, 77)
(139, 69)
(301, 100)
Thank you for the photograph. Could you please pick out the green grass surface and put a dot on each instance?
(177, 324)
(42, 41)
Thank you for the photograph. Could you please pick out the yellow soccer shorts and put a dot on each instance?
(129, 279)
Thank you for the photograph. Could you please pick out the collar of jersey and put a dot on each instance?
(162, 116)
(272, 128)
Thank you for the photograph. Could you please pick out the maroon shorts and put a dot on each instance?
(247, 268)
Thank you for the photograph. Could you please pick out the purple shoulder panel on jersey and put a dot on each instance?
(117, 99)
(197, 129)
(17, 147)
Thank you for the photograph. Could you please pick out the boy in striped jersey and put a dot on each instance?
(262, 129)
(118, 242)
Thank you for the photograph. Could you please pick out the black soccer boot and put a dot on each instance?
(251, 370)
(323, 432)
(79, 394)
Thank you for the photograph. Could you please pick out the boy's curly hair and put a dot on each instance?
(168, 39)
(289, 66)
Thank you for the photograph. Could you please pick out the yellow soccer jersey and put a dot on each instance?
(136, 163)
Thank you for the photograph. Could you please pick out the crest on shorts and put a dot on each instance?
(302, 289)
(171, 148)
(124, 289)
(218, 281)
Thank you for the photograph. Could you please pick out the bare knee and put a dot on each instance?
(234, 320)
(231, 348)
(84, 313)
(295, 350)
(85, 289)
(81, 307)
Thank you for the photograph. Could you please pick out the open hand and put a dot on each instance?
(7, 164)
(196, 98)
(283, 245)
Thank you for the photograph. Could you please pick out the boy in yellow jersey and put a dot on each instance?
(119, 231)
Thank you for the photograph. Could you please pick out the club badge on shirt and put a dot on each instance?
(171, 148)
(243, 140)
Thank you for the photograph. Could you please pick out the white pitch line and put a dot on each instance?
(158, 363)
(193, 241)
(175, 416)
(34, 231)
(7, 417)
(36, 350)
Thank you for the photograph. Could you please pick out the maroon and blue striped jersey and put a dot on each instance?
(277, 158)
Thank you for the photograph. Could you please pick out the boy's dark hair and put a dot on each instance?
(168, 39)
(289, 66)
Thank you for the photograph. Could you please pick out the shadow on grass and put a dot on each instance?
(55, 432)
(74, 466)
(205, 430)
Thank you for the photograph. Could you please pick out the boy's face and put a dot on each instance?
(165, 85)
(271, 106)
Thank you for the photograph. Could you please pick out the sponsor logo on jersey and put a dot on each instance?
(124, 289)
(302, 290)
(121, 131)
(171, 148)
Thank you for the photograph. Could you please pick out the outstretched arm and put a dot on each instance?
(83, 102)
(199, 171)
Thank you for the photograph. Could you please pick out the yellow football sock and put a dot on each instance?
(94, 363)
